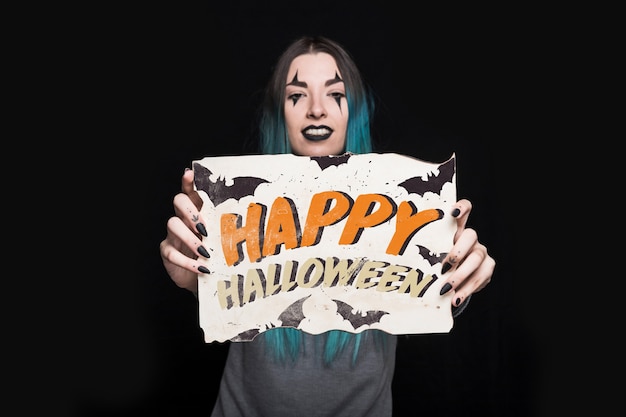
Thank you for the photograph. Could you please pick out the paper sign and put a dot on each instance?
(349, 242)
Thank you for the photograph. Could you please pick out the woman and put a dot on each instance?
(316, 104)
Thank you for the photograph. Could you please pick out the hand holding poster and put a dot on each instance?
(349, 242)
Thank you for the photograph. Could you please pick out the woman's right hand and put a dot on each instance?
(182, 247)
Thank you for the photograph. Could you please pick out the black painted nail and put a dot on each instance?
(447, 287)
(203, 269)
(201, 229)
(458, 301)
(202, 250)
(446, 267)
(456, 212)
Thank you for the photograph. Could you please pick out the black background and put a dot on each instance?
(187, 81)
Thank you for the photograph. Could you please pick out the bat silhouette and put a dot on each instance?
(327, 161)
(431, 258)
(293, 315)
(246, 336)
(218, 191)
(433, 183)
(357, 320)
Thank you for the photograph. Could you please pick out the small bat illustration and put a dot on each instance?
(218, 191)
(433, 183)
(357, 320)
(293, 315)
(327, 161)
(429, 256)
(246, 336)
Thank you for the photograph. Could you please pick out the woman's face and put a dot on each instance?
(316, 109)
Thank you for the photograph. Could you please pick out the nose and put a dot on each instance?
(316, 109)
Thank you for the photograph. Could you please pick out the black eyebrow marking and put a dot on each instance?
(297, 83)
(335, 80)
(303, 84)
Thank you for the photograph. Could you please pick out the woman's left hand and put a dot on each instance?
(469, 264)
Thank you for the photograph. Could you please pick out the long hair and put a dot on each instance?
(273, 137)
(286, 343)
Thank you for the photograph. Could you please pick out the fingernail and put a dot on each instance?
(457, 302)
(203, 269)
(456, 212)
(187, 169)
(447, 287)
(202, 250)
(445, 268)
(201, 229)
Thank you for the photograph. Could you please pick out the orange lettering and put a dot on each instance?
(363, 215)
(282, 227)
(322, 213)
(234, 234)
(408, 222)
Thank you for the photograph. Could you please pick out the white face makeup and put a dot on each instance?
(316, 109)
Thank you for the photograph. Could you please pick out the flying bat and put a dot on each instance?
(327, 161)
(246, 336)
(431, 258)
(218, 191)
(433, 183)
(293, 315)
(358, 320)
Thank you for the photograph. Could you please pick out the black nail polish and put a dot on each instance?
(458, 301)
(202, 250)
(447, 287)
(456, 212)
(201, 229)
(445, 268)
(203, 269)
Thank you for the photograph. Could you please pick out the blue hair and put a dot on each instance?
(286, 343)
(358, 137)
(273, 132)
(273, 137)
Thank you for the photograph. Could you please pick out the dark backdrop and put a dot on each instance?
(467, 81)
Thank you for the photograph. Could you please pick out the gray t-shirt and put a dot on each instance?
(255, 385)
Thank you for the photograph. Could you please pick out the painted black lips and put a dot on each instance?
(317, 133)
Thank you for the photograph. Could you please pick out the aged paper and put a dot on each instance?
(349, 242)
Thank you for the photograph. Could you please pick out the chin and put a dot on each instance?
(321, 151)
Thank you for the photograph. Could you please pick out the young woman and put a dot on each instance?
(316, 104)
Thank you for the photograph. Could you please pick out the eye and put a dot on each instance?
(294, 97)
(337, 95)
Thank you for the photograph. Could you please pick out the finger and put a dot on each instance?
(476, 281)
(470, 264)
(463, 245)
(177, 258)
(188, 188)
(189, 213)
(461, 211)
(182, 269)
(188, 241)
(464, 206)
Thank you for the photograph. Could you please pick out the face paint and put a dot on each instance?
(316, 109)
(337, 79)
(296, 83)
